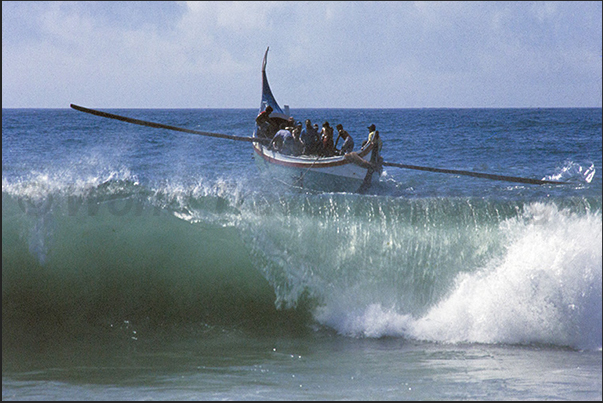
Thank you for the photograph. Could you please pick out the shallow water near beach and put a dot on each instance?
(140, 263)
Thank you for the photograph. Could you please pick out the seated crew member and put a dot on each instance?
(280, 138)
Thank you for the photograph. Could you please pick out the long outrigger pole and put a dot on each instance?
(168, 127)
(263, 140)
(476, 174)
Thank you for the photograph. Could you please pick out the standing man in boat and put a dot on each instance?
(296, 146)
(309, 136)
(328, 145)
(265, 123)
(376, 163)
(373, 137)
(348, 141)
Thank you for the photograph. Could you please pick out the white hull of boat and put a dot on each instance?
(332, 174)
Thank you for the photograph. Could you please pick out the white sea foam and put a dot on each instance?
(545, 289)
(572, 171)
(40, 185)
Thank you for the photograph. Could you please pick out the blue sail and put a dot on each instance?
(267, 97)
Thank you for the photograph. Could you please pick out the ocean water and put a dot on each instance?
(144, 264)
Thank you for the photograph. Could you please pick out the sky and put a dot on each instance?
(345, 54)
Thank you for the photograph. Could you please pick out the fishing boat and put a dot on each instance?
(341, 173)
(351, 172)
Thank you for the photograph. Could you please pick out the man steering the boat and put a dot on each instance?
(373, 137)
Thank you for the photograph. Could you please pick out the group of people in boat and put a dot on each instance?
(289, 137)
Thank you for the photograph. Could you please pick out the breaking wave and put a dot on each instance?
(110, 253)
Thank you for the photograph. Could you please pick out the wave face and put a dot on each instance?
(113, 254)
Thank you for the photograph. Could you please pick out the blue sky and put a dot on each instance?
(322, 54)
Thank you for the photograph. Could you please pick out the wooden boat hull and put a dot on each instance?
(332, 174)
